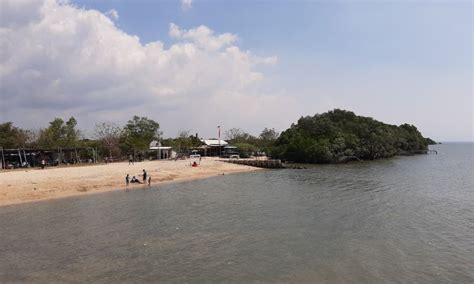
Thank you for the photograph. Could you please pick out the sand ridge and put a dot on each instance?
(26, 185)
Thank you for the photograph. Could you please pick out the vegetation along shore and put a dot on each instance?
(340, 136)
(333, 137)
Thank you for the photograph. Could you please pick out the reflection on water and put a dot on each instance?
(408, 219)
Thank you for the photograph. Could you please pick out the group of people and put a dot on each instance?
(146, 179)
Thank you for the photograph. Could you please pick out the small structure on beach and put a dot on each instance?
(163, 152)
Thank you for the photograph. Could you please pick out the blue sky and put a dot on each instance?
(422, 34)
(398, 61)
(333, 41)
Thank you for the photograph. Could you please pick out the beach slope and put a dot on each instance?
(26, 185)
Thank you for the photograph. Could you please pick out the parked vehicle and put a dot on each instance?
(194, 154)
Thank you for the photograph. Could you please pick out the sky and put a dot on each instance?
(194, 65)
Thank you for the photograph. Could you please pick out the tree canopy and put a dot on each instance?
(139, 132)
(59, 134)
(339, 135)
(12, 136)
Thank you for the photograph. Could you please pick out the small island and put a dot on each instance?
(340, 136)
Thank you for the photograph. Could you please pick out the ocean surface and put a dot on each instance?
(401, 220)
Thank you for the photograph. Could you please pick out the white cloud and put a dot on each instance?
(203, 37)
(59, 60)
(113, 14)
(186, 4)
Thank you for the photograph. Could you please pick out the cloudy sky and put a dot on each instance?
(193, 65)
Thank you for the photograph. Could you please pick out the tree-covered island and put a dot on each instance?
(340, 136)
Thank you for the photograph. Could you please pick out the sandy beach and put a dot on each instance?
(29, 185)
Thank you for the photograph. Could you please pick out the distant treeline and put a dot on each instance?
(335, 136)
(118, 142)
(109, 138)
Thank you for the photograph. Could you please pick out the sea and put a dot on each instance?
(400, 220)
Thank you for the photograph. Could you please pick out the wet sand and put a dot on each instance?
(19, 186)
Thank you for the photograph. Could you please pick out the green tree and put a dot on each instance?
(71, 134)
(268, 136)
(59, 134)
(238, 136)
(246, 149)
(185, 141)
(12, 136)
(340, 135)
(430, 141)
(138, 133)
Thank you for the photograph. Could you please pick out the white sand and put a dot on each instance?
(20, 186)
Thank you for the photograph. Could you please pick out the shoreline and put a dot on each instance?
(31, 185)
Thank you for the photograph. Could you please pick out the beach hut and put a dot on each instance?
(163, 152)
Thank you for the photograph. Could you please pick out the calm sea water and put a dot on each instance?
(403, 220)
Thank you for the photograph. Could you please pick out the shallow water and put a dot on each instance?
(403, 220)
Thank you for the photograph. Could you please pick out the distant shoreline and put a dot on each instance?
(30, 185)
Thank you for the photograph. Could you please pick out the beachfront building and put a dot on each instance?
(163, 152)
(212, 147)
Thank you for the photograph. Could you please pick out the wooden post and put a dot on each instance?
(24, 155)
(219, 138)
(19, 156)
(3, 159)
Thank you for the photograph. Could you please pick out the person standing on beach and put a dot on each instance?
(127, 180)
(149, 180)
(144, 176)
(130, 159)
(43, 163)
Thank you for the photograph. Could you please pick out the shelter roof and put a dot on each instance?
(160, 148)
(215, 142)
